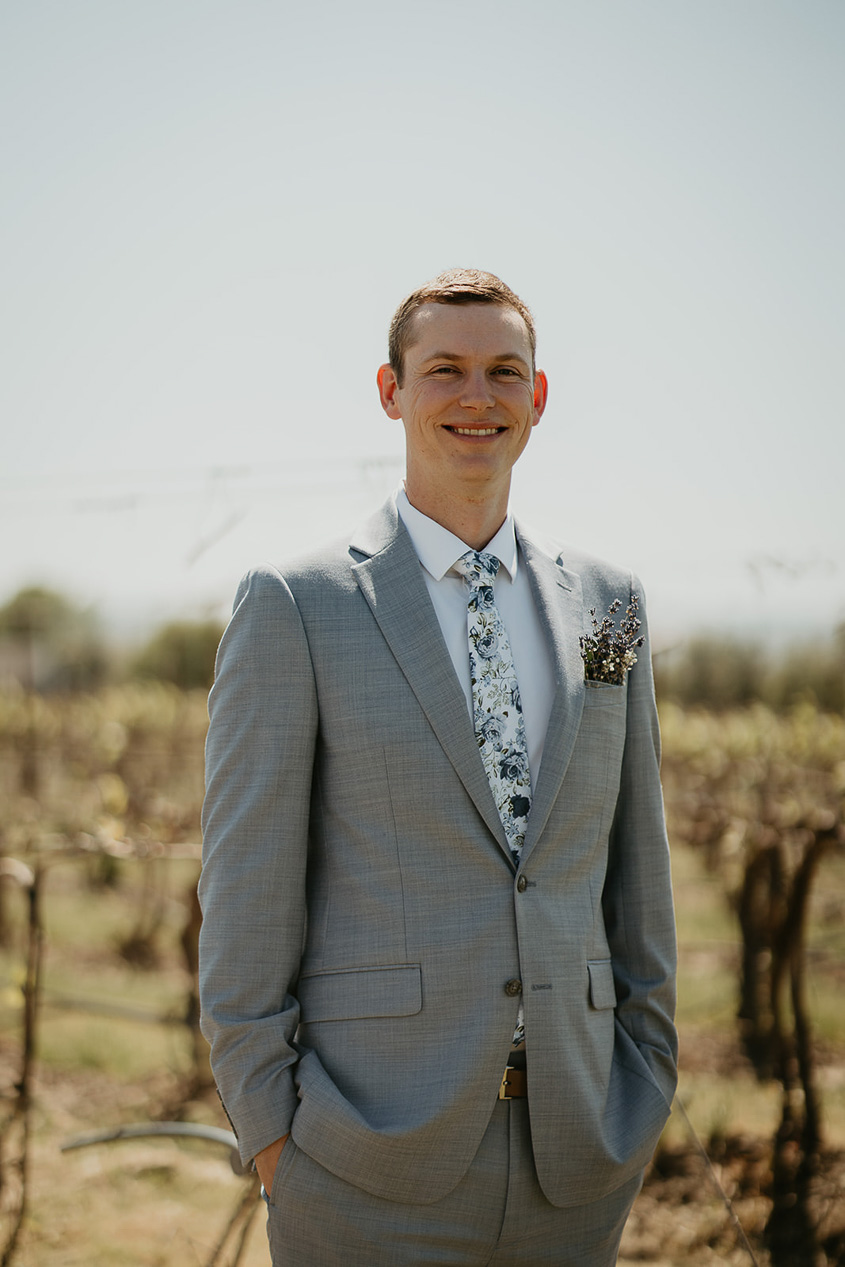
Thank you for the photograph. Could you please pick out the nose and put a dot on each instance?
(476, 391)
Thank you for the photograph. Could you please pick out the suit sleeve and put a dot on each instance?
(259, 764)
(638, 906)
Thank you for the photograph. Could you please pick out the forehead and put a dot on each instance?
(465, 329)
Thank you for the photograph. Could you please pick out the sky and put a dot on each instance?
(211, 211)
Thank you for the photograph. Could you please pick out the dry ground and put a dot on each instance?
(162, 1203)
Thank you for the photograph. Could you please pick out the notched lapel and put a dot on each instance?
(560, 603)
(391, 580)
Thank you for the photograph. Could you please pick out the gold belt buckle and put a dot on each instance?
(503, 1085)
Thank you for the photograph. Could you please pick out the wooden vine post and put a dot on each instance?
(15, 1136)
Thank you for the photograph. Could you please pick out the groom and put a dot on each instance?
(437, 957)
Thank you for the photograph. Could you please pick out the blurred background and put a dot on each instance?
(210, 212)
(212, 209)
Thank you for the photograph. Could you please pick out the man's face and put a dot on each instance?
(468, 399)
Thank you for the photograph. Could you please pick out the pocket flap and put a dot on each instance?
(602, 985)
(357, 993)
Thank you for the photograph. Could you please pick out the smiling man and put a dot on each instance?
(463, 382)
(437, 957)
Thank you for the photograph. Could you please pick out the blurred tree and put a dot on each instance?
(720, 673)
(34, 610)
(716, 672)
(812, 672)
(50, 643)
(181, 652)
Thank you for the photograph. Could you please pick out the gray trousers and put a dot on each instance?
(497, 1216)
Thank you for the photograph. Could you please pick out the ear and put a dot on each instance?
(387, 389)
(541, 395)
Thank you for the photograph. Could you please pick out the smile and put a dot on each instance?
(475, 431)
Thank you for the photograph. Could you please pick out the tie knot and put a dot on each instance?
(478, 568)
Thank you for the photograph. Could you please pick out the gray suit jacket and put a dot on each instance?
(362, 916)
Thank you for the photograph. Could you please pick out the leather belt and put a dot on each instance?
(514, 1084)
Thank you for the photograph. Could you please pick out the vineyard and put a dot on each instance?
(100, 797)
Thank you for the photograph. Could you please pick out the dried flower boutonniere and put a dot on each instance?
(608, 653)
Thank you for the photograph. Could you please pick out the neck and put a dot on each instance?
(475, 521)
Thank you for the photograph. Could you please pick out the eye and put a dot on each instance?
(444, 370)
(507, 371)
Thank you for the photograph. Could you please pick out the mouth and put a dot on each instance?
(475, 431)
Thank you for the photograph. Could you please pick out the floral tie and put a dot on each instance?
(497, 710)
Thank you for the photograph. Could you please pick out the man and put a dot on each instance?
(437, 956)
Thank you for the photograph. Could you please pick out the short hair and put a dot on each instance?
(455, 286)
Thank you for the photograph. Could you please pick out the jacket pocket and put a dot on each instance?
(604, 692)
(359, 993)
(602, 985)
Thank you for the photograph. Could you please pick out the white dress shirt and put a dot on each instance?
(437, 550)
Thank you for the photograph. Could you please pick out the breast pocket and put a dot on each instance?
(597, 759)
(607, 693)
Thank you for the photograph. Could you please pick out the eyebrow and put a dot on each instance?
(500, 358)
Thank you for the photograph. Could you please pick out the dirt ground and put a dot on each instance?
(158, 1203)
(697, 1211)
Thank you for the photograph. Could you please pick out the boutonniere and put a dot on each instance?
(608, 653)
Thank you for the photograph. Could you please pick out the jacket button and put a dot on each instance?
(522, 884)
(513, 987)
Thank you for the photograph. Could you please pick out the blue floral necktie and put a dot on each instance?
(497, 709)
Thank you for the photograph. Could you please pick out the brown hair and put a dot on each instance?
(455, 286)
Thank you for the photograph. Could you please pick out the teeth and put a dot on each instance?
(475, 431)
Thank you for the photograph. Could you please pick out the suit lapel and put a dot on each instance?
(557, 594)
(390, 578)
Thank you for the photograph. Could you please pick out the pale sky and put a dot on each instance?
(210, 211)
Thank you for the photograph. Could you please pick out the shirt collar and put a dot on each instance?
(438, 549)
